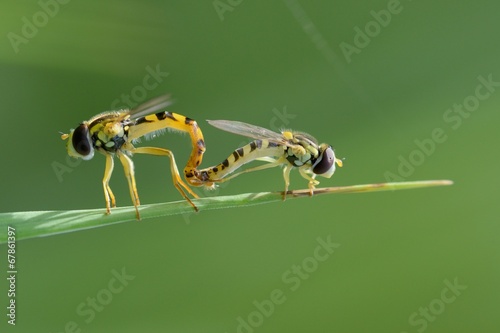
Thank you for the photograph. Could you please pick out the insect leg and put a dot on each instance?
(266, 159)
(108, 194)
(176, 178)
(128, 167)
(286, 176)
(312, 182)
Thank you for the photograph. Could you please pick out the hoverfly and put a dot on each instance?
(291, 149)
(115, 133)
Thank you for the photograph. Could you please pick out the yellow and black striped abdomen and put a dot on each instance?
(241, 156)
(168, 120)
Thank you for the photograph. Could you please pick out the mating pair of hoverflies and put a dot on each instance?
(115, 133)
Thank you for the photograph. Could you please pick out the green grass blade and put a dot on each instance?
(47, 223)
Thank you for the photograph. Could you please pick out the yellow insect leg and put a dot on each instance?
(286, 176)
(176, 178)
(128, 166)
(108, 194)
(312, 182)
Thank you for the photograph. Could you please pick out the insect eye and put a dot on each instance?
(324, 162)
(81, 140)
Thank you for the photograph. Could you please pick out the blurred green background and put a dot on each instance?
(274, 64)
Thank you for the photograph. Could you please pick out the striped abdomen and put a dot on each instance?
(241, 156)
(168, 120)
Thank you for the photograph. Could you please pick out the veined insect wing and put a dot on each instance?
(306, 137)
(152, 106)
(248, 130)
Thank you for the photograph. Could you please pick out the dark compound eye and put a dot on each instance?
(324, 162)
(81, 140)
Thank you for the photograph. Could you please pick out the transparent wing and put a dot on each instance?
(152, 106)
(251, 131)
(306, 137)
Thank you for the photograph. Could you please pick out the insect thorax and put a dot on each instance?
(300, 155)
(109, 135)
